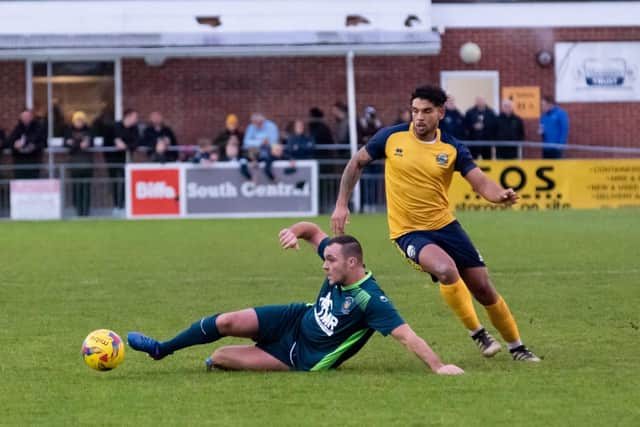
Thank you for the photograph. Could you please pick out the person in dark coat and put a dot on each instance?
(480, 123)
(453, 121)
(510, 127)
(158, 138)
(27, 140)
(79, 140)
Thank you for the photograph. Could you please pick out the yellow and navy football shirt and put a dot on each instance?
(417, 177)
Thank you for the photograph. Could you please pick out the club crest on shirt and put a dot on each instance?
(398, 152)
(347, 305)
(442, 159)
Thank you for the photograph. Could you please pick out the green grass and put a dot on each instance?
(571, 278)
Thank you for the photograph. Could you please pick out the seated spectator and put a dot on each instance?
(510, 127)
(233, 154)
(79, 140)
(231, 128)
(208, 153)
(453, 121)
(27, 140)
(260, 136)
(299, 145)
(158, 137)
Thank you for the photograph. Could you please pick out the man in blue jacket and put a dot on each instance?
(554, 127)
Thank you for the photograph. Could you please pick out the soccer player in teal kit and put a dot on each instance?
(349, 308)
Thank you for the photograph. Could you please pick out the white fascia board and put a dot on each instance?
(536, 15)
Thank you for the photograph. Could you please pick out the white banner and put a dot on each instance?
(597, 71)
(35, 199)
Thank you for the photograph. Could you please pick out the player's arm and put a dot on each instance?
(405, 335)
(301, 230)
(489, 189)
(350, 176)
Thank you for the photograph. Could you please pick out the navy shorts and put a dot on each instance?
(278, 327)
(451, 238)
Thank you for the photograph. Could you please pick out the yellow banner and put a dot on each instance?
(556, 184)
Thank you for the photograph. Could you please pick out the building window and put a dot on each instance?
(61, 88)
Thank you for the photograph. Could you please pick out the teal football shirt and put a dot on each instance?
(341, 321)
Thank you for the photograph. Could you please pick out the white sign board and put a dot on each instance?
(35, 199)
(597, 71)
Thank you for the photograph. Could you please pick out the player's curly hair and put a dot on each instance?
(433, 94)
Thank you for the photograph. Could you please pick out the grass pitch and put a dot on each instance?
(572, 280)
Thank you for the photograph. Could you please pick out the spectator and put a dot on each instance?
(510, 127)
(404, 116)
(126, 137)
(3, 137)
(159, 137)
(368, 124)
(480, 124)
(233, 154)
(340, 114)
(372, 187)
(208, 153)
(231, 128)
(27, 140)
(299, 145)
(453, 121)
(78, 139)
(554, 128)
(261, 135)
(318, 129)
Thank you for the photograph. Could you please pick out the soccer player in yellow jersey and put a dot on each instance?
(420, 162)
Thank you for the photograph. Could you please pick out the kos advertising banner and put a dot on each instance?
(597, 71)
(556, 184)
(186, 190)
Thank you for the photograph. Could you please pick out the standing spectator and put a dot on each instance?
(341, 116)
(368, 124)
(480, 123)
(231, 128)
(78, 139)
(299, 145)
(126, 137)
(404, 116)
(2, 140)
(159, 137)
(453, 121)
(27, 140)
(319, 131)
(554, 128)
(510, 128)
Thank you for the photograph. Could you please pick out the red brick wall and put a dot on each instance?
(12, 93)
(196, 94)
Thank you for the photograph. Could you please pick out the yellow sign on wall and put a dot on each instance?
(526, 100)
(556, 184)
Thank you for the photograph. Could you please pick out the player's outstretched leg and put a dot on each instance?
(243, 323)
(499, 313)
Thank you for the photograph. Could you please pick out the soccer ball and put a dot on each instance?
(103, 350)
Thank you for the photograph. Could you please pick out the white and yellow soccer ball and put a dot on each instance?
(103, 350)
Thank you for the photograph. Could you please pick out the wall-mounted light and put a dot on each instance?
(544, 58)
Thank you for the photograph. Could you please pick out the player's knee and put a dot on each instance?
(445, 272)
(224, 323)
